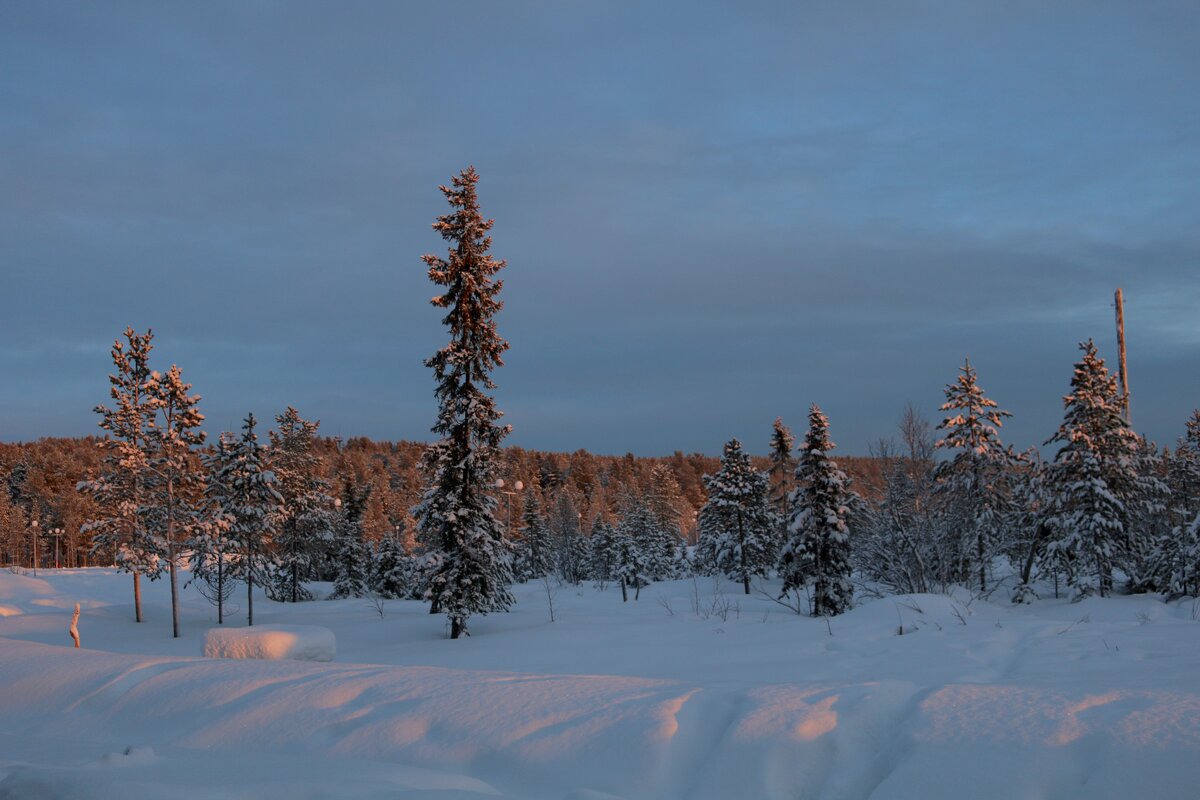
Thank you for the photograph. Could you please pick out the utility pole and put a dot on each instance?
(1124, 368)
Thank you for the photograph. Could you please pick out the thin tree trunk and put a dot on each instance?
(220, 588)
(250, 589)
(624, 595)
(1027, 570)
(742, 552)
(171, 558)
(456, 627)
(979, 551)
(137, 597)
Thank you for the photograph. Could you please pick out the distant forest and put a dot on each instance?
(38, 480)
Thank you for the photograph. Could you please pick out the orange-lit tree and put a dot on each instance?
(470, 561)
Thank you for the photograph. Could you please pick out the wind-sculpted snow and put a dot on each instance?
(1027, 716)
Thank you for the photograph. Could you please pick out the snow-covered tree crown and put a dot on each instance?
(974, 425)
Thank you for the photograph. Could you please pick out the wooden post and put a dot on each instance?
(1124, 368)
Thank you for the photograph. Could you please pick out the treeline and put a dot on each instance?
(38, 482)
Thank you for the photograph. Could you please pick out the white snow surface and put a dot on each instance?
(272, 642)
(695, 691)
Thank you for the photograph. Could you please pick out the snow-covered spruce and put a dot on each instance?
(818, 549)
(535, 555)
(254, 506)
(972, 488)
(350, 554)
(1097, 490)
(211, 547)
(633, 533)
(737, 526)
(456, 517)
(306, 522)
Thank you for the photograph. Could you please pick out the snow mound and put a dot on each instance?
(272, 642)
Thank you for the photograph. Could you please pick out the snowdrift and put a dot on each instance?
(930, 696)
(548, 735)
(272, 643)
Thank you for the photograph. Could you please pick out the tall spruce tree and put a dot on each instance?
(306, 523)
(119, 491)
(456, 516)
(974, 485)
(1094, 480)
(819, 547)
(736, 523)
(174, 483)
(254, 503)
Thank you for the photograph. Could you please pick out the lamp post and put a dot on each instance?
(516, 487)
(57, 534)
(33, 543)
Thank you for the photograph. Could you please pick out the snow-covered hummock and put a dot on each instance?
(272, 643)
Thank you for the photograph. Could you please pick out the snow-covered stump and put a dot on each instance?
(272, 642)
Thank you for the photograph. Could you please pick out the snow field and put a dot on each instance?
(649, 700)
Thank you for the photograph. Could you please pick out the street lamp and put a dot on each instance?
(516, 487)
(57, 534)
(33, 546)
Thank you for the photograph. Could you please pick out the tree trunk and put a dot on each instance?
(137, 597)
(979, 552)
(742, 553)
(456, 627)
(171, 559)
(624, 595)
(220, 588)
(1027, 570)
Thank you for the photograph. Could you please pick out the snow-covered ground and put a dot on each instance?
(672, 696)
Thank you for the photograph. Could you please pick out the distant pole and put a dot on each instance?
(1124, 368)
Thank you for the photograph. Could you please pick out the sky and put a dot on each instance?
(714, 214)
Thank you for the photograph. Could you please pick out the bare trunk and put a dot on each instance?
(250, 590)
(137, 597)
(171, 558)
(982, 566)
(1027, 570)
(220, 589)
(456, 627)
(624, 595)
(742, 553)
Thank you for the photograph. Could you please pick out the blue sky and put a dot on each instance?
(714, 214)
